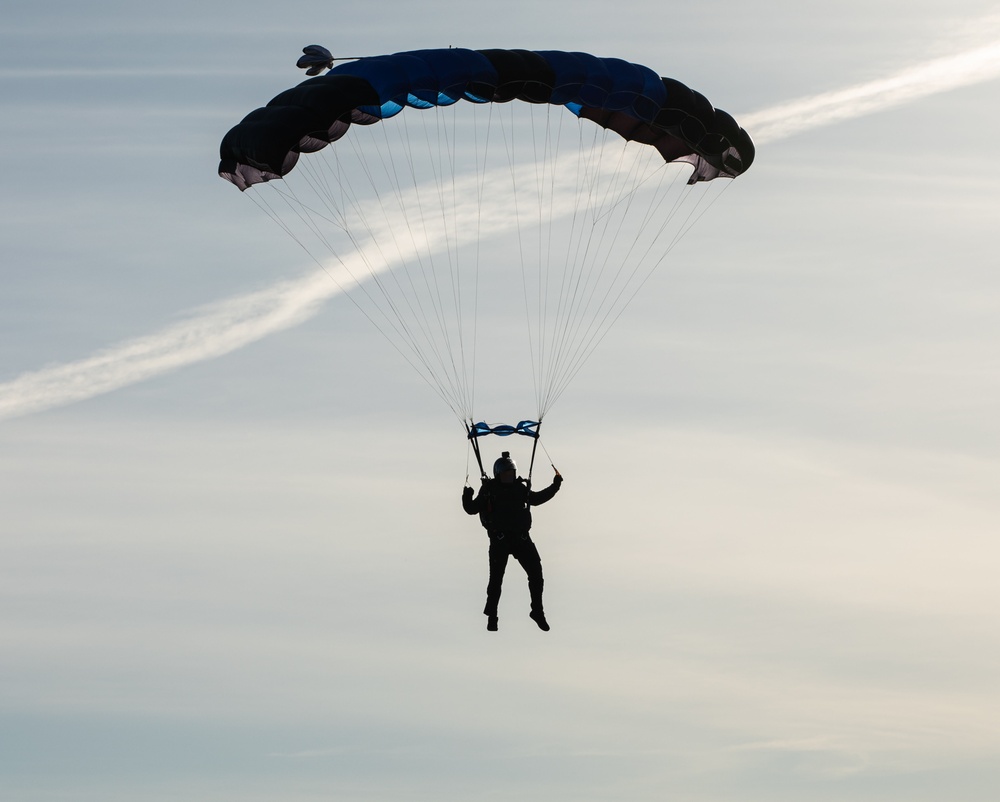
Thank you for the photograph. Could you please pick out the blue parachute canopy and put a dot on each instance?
(629, 99)
(411, 176)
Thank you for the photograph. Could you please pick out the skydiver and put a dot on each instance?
(503, 505)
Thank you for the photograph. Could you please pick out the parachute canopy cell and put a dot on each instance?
(631, 100)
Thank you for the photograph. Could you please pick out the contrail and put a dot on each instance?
(220, 328)
(931, 77)
(223, 327)
(211, 332)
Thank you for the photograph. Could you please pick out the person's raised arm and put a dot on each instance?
(536, 497)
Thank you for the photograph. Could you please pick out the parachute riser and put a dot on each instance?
(526, 428)
(475, 449)
(534, 448)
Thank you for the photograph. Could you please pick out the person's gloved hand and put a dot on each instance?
(467, 494)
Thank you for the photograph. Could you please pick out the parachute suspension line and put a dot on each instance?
(549, 161)
(440, 342)
(550, 154)
(601, 325)
(392, 218)
(584, 271)
(593, 222)
(459, 269)
(576, 304)
(571, 256)
(296, 206)
(618, 197)
(481, 162)
(548, 214)
(429, 271)
(618, 307)
(427, 342)
(398, 321)
(480, 191)
(411, 326)
(364, 221)
(580, 272)
(540, 163)
(618, 284)
(456, 264)
(262, 204)
(689, 223)
(609, 320)
(549, 456)
(265, 207)
(550, 173)
(441, 161)
(510, 144)
(573, 265)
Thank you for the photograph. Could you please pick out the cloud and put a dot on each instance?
(221, 328)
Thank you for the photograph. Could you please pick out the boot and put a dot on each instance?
(539, 618)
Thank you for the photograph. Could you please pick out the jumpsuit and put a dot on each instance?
(504, 512)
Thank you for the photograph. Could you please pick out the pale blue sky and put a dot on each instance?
(771, 568)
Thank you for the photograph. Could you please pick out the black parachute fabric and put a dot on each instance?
(539, 188)
(629, 99)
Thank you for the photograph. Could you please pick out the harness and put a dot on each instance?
(526, 428)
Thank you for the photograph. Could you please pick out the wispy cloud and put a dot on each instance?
(221, 328)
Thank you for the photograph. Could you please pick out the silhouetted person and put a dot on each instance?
(503, 505)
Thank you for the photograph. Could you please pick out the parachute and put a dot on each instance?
(455, 193)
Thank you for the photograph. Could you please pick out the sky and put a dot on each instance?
(233, 561)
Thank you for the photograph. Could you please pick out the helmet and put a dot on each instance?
(505, 463)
